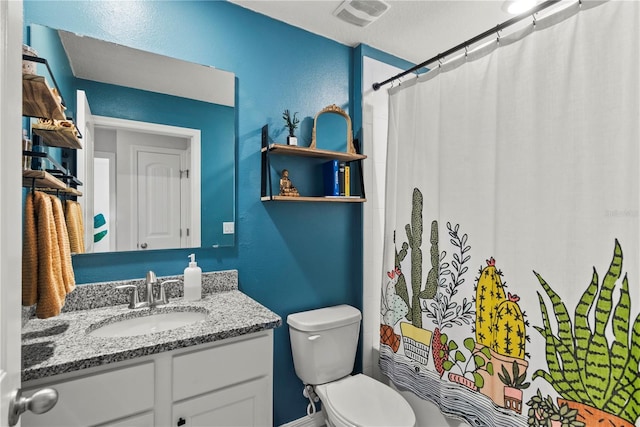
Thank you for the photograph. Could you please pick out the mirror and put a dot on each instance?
(154, 113)
(332, 126)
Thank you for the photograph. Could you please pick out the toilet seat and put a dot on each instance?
(361, 401)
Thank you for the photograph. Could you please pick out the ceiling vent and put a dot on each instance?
(361, 12)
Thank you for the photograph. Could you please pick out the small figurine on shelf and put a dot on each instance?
(286, 187)
(292, 124)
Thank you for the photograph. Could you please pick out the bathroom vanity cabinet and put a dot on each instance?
(222, 383)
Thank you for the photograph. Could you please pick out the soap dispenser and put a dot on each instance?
(192, 280)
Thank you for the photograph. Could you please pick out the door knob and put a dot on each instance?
(41, 402)
(143, 245)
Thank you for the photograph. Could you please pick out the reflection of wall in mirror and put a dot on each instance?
(331, 132)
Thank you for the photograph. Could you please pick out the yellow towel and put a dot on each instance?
(29, 254)
(47, 271)
(51, 287)
(68, 277)
(75, 227)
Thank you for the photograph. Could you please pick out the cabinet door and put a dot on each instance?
(142, 420)
(247, 404)
(97, 399)
(203, 371)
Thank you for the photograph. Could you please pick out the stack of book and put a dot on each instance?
(337, 179)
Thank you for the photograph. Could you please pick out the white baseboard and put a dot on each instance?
(316, 421)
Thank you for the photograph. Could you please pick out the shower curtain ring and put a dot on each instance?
(466, 51)
(535, 21)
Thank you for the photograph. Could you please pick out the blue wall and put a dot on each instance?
(290, 256)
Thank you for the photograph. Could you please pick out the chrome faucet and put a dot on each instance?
(151, 300)
(149, 282)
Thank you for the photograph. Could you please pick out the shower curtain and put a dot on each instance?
(511, 289)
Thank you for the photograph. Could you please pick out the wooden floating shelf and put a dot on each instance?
(42, 180)
(313, 199)
(294, 150)
(59, 138)
(38, 100)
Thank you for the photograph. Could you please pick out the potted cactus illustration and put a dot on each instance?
(443, 311)
(392, 309)
(291, 123)
(593, 359)
(416, 339)
(500, 326)
(544, 413)
(514, 383)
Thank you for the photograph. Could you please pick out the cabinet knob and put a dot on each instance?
(143, 246)
(41, 401)
(181, 421)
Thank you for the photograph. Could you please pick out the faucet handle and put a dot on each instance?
(163, 299)
(134, 298)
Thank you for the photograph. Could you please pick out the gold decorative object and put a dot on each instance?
(286, 187)
(334, 109)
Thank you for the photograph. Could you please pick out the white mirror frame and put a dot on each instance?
(192, 135)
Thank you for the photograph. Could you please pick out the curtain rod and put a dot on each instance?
(471, 41)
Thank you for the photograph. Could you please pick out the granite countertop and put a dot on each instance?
(61, 344)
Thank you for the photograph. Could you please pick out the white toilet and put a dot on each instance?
(324, 344)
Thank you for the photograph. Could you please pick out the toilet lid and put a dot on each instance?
(362, 401)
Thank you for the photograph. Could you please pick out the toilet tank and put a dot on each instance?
(324, 342)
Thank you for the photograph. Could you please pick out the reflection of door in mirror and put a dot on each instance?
(158, 193)
(146, 184)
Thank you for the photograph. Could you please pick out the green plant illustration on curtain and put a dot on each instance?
(417, 341)
(544, 413)
(399, 303)
(468, 366)
(597, 377)
(414, 238)
(392, 309)
(443, 311)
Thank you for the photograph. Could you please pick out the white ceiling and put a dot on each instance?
(413, 30)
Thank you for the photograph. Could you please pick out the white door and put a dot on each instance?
(159, 200)
(10, 198)
(85, 167)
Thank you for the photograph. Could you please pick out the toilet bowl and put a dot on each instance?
(361, 401)
(324, 344)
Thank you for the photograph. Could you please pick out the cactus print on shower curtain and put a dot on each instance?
(590, 358)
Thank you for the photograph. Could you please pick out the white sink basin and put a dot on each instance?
(148, 324)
